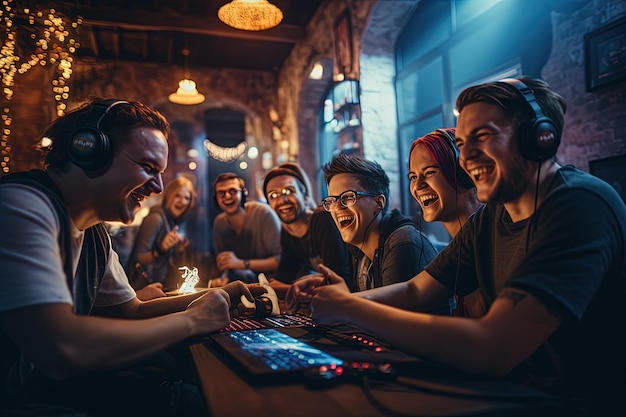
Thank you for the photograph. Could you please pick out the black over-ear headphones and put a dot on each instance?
(88, 147)
(539, 137)
(461, 176)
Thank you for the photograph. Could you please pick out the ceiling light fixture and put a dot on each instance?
(187, 92)
(250, 14)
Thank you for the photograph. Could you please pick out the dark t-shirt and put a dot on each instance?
(321, 244)
(571, 255)
(403, 251)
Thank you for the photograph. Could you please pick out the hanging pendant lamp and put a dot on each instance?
(250, 14)
(187, 93)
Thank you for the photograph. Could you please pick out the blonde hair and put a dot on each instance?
(172, 188)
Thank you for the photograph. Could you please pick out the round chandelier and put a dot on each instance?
(250, 14)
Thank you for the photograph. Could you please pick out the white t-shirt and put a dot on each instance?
(31, 267)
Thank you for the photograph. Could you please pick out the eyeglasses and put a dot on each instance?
(274, 195)
(232, 192)
(347, 199)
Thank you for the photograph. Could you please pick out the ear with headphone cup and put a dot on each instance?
(88, 147)
(539, 138)
(461, 176)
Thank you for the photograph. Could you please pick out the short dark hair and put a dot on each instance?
(225, 176)
(120, 118)
(512, 102)
(370, 175)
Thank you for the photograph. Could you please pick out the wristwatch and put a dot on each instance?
(246, 263)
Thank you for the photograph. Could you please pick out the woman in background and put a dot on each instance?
(160, 245)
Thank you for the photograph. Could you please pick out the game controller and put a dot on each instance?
(265, 304)
(270, 294)
(247, 303)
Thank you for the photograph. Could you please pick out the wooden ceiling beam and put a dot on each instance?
(147, 21)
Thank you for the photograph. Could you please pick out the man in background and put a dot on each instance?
(309, 235)
(246, 234)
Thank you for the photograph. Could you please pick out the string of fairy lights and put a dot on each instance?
(55, 42)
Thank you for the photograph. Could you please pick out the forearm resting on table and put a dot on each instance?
(137, 309)
(63, 344)
(492, 345)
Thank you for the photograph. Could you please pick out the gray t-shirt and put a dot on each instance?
(259, 237)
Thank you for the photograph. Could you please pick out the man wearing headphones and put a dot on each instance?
(61, 278)
(547, 251)
(246, 235)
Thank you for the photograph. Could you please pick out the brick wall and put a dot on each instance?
(595, 122)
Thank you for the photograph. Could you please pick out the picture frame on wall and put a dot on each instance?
(342, 32)
(605, 55)
(613, 171)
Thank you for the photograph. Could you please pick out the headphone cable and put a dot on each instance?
(532, 216)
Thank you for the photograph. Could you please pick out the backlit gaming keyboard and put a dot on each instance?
(271, 322)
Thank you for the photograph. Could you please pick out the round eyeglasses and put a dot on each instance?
(347, 199)
(232, 192)
(274, 195)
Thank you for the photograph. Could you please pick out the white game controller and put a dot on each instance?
(247, 303)
(269, 293)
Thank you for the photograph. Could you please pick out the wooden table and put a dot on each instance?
(227, 393)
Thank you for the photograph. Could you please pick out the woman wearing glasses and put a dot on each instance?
(160, 245)
(308, 236)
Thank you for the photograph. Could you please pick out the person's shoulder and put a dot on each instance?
(156, 215)
(321, 217)
(220, 218)
(258, 209)
(572, 178)
(258, 206)
(21, 189)
(34, 180)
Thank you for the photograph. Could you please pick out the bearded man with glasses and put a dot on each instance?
(308, 236)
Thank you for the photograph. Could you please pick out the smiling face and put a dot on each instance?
(134, 175)
(486, 139)
(352, 221)
(180, 202)
(437, 198)
(290, 202)
(229, 195)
